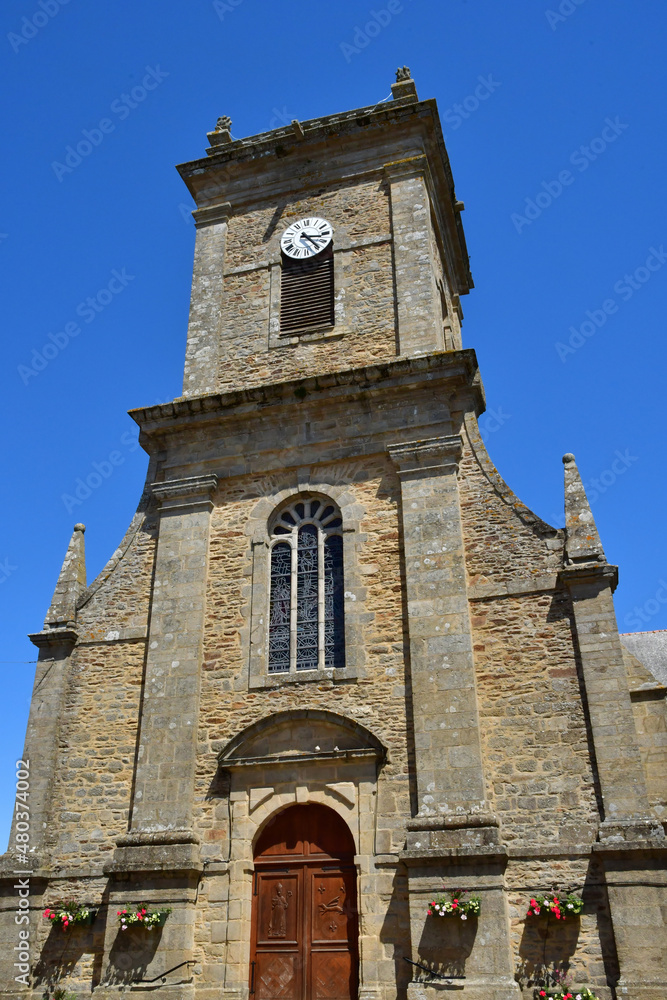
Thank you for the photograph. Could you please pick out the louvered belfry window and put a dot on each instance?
(307, 293)
(306, 629)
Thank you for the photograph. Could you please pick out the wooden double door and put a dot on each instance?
(305, 926)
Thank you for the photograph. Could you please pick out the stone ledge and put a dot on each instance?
(54, 637)
(486, 853)
(643, 829)
(459, 366)
(332, 676)
(171, 852)
(518, 585)
(581, 574)
(631, 847)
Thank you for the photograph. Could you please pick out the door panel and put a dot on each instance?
(332, 975)
(304, 924)
(329, 909)
(278, 976)
(278, 935)
(332, 933)
(278, 906)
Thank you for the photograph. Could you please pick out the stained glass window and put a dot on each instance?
(307, 619)
(334, 640)
(306, 627)
(279, 613)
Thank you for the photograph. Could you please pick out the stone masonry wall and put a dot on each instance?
(120, 597)
(365, 293)
(355, 211)
(98, 735)
(500, 545)
(575, 946)
(650, 714)
(377, 701)
(534, 739)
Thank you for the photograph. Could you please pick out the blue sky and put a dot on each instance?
(554, 121)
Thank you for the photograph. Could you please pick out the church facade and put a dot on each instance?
(336, 670)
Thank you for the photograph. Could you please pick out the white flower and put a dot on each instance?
(463, 916)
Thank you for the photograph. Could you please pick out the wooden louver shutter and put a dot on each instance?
(306, 293)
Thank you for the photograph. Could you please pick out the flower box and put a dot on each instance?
(573, 993)
(560, 904)
(453, 903)
(69, 914)
(141, 916)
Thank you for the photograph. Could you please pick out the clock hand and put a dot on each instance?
(305, 236)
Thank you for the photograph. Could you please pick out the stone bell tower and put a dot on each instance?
(336, 666)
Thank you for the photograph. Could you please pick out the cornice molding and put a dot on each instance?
(414, 458)
(211, 214)
(54, 637)
(185, 494)
(587, 573)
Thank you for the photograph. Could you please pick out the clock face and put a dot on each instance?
(306, 238)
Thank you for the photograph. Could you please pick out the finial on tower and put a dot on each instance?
(222, 133)
(405, 85)
(71, 583)
(582, 541)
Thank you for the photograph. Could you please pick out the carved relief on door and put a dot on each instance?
(305, 923)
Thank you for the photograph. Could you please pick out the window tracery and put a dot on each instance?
(306, 628)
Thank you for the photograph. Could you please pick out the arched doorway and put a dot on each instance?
(304, 923)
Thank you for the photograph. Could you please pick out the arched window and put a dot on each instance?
(306, 602)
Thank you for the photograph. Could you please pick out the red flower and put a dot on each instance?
(543, 993)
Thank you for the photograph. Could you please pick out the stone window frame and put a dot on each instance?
(354, 593)
(327, 331)
(324, 531)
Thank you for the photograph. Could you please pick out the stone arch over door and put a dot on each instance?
(305, 926)
(300, 757)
